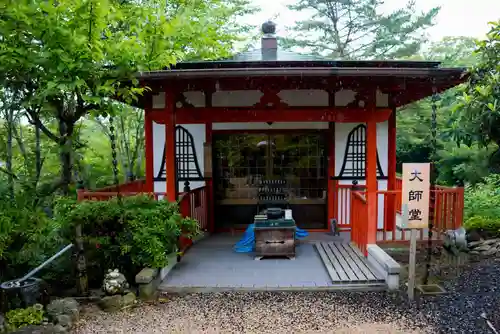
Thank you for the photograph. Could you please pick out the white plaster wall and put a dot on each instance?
(341, 133)
(292, 97)
(198, 133)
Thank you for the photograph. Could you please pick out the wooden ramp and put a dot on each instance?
(346, 265)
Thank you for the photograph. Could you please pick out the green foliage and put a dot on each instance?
(19, 318)
(64, 64)
(72, 58)
(456, 164)
(95, 157)
(483, 225)
(483, 199)
(477, 117)
(27, 238)
(137, 233)
(356, 29)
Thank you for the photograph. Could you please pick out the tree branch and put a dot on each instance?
(5, 171)
(38, 123)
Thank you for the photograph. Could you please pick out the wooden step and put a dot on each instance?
(346, 265)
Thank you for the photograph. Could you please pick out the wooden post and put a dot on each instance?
(209, 183)
(391, 171)
(371, 180)
(412, 264)
(170, 174)
(413, 253)
(331, 195)
(148, 141)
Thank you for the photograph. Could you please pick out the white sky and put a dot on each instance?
(456, 18)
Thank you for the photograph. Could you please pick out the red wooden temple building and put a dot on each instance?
(215, 128)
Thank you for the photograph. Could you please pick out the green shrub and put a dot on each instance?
(483, 199)
(22, 317)
(27, 238)
(137, 233)
(483, 225)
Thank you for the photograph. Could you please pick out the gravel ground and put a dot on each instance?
(474, 291)
(266, 312)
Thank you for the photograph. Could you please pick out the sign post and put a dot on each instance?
(415, 209)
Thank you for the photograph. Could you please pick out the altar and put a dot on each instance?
(274, 237)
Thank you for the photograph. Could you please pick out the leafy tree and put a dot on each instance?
(76, 54)
(456, 164)
(356, 29)
(67, 60)
(477, 117)
(129, 134)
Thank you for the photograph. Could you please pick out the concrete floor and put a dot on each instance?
(212, 265)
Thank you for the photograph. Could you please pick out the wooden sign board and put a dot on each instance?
(207, 158)
(416, 194)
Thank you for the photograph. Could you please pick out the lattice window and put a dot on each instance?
(242, 161)
(187, 166)
(353, 166)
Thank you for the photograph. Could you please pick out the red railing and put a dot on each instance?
(399, 186)
(389, 232)
(359, 215)
(104, 196)
(342, 203)
(446, 209)
(193, 204)
(447, 205)
(137, 186)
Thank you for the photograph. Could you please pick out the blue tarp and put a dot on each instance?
(247, 242)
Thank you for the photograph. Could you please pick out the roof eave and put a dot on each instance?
(300, 71)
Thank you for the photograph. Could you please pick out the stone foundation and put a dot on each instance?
(385, 264)
(148, 279)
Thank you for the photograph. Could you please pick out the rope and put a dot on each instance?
(434, 100)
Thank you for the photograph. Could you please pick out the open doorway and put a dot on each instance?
(242, 160)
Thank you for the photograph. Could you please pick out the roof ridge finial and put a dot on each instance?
(269, 27)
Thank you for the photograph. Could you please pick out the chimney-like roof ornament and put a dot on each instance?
(268, 28)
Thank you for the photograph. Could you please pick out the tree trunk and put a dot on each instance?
(66, 131)
(125, 148)
(8, 162)
(65, 149)
(38, 153)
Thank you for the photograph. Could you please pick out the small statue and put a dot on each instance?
(114, 283)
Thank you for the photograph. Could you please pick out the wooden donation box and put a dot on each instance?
(274, 237)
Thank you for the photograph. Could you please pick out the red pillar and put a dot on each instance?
(148, 142)
(371, 180)
(210, 185)
(391, 171)
(331, 197)
(170, 147)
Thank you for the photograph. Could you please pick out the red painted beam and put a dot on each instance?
(371, 181)
(148, 141)
(251, 114)
(391, 172)
(332, 203)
